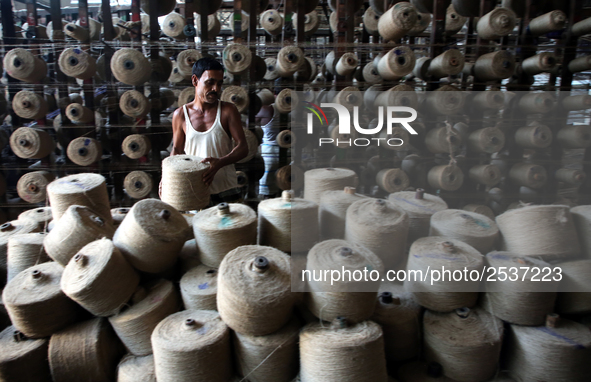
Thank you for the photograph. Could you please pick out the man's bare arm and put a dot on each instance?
(178, 133)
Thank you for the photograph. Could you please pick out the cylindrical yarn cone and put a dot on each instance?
(346, 64)
(490, 99)
(534, 137)
(136, 146)
(466, 343)
(118, 215)
(582, 219)
(186, 95)
(449, 63)
(370, 74)
(533, 103)
(29, 105)
(321, 180)
(397, 21)
(487, 174)
(192, 345)
(575, 136)
(582, 27)
(134, 325)
(77, 32)
(370, 21)
(151, 235)
(9, 229)
(237, 58)
(448, 178)
(133, 369)
(134, 104)
(397, 63)
(285, 101)
(31, 143)
(199, 288)
(182, 182)
(173, 25)
(575, 288)
(423, 22)
(473, 229)
(236, 95)
(79, 114)
(41, 216)
(540, 63)
(74, 62)
(454, 22)
(23, 359)
(442, 140)
(31, 187)
(494, 66)
(85, 151)
(349, 97)
(185, 61)
(549, 22)
(342, 353)
(138, 184)
(130, 66)
(571, 177)
(496, 24)
(36, 304)
(21, 64)
(577, 102)
(164, 7)
(290, 178)
(267, 97)
(272, 22)
(289, 60)
(285, 139)
(254, 290)
(89, 349)
(528, 175)
(392, 180)
(311, 23)
(271, 73)
(488, 140)
(213, 25)
(333, 210)
(24, 251)
(580, 64)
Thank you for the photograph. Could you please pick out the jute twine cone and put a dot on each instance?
(577, 102)
(349, 97)
(236, 95)
(332, 212)
(272, 22)
(118, 214)
(446, 100)
(397, 63)
(496, 24)
(494, 66)
(392, 180)
(534, 103)
(423, 22)
(442, 140)
(29, 105)
(41, 216)
(30, 143)
(528, 175)
(370, 21)
(370, 74)
(488, 140)
(271, 73)
(534, 137)
(454, 22)
(77, 32)
(449, 63)
(24, 251)
(213, 25)
(23, 65)
(164, 7)
(346, 64)
(311, 23)
(173, 25)
(79, 114)
(237, 58)
(136, 146)
(182, 182)
(570, 176)
(540, 63)
(581, 28)
(491, 99)
(318, 181)
(85, 151)
(286, 100)
(175, 75)
(397, 21)
(162, 67)
(469, 227)
(134, 104)
(199, 288)
(289, 60)
(487, 174)
(549, 22)
(185, 61)
(130, 66)
(267, 97)
(23, 359)
(133, 369)
(285, 139)
(480, 209)
(580, 64)
(77, 63)
(448, 178)
(582, 218)
(575, 136)
(290, 178)
(186, 95)
(138, 184)
(94, 27)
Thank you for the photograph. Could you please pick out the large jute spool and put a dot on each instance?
(447, 100)
(342, 353)
(24, 251)
(333, 210)
(582, 219)
(182, 182)
(491, 99)
(421, 69)
(534, 137)
(577, 102)
(89, 349)
(466, 343)
(445, 295)
(21, 64)
(30, 143)
(272, 22)
(448, 178)
(381, 227)
(533, 103)
(397, 63)
(448, 63)
(136, 146)
(571, 177)
(370, 74)
(138, 184)
(349, 97)
(540, 63)
(236, 95)
(79, 114)
(254, 290)
(35, 302)
(392, 180)
(581, 28)
(185, 61)
(559, 351)
(29, 105)
(134, 104)
(551, 232)
(517, 299)
(286, 139)
(346, 64)
(290, 177)
(151, 235)
(8, 230)
(148, 306)
(77, 32)
(130, 66)
(494, 66)
(286, 100)
(488, 140)
(77, 63)
(270, 358)
(454, 22)
(549, 22)
(442, 140)
(266, 96)
(528, 175)
(370, 21)
(23, 359)
(311, 23)
(271, 73)
(199, 288)
(575, 288)
(320, 180)
(173, 25)
(85, 151)
(496, 24)
(133, 369)
(289, 60)
(192, 345)
(186, 95)
(472, 228)
(575, 136)
(397, 21)
(487, 174)
(423, 22)
(118, 215)
(237, 58)
(580, 64)
(213, 25)
(41, 216)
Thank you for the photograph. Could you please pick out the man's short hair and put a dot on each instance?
(206, 63)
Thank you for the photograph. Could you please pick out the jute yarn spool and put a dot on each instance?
(185, 61)
(446, 295)
(551, 232)
(213, 25)
(118, 214)
(173, 25)
(285, 139)
(518, 301)
(466, 343)
(164, 7)
(130, 66)
(77, 32)
(289, 60)
(528, 175)
(370, 74)
(397, 21)
(571, 177)
(254, 290)
(181, 173)
(577, 102)
(192, 345)
(236, 95)
(79, 114)
(491, 99)
(29, 105)
(449, 63)
(138, 184)
(74, 62)
(212, 228)
(136, 146)
(370, 21)
(175, 75)
(134, 104)
(534, 137)
(290, 178)
(134, 325)
(95, 27)
(488, 140)
(30, 143)
(448, 178)
(533, 103)
(267, 97)
(286, 100)
(474, 229)
(333, 22)
(397, 63)
(487, 174)
(311, 23)
(480, 209)
(575, 136)
(321, 180)
(442, 140)
(199, 288)
(494, 66)
(333, 210)
(582, 218)
(540, 63)
(237, 58)
(23, 359)
(24, 251)
(89, 349)
(454, 22)
(186, 95)
(392, 180)
(99, 278)
(35, 302)
(342, 353)
(55, 34)
(421, 69)
(575, 288)
(346, 64)
(579, 64)
(349, 97)
(133, 369)
(581, 28)
(380, 226)
(423, 22)
(496, 24)
(41, 216)
(271, 73)
(84, 151)
(270, 358)
(23, 65)
(549, 22)
(559, 351)
(272, 22)
(151, 235)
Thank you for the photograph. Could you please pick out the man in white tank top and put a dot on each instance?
(206, 127)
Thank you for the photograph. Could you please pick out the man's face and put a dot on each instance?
(209, 86)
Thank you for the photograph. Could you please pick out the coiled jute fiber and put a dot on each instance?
(576, 102)
(237, 58)
(534, 137)
(534, 103)
(35, 302)
(85, 151)
(540, 63)
(580, 64)
(349, 97)
(487, 174)
(581, 28)
(271, 73)
(118, 214)
(134, 104)
(575, 287)
(192, 345)
(130, 66)
(289, 60)
(370, 74)
(186, 95)
(254, 290)
(270, 358)
(311, 23)
(472, 228)
(575, 136)
(466, 343)
(448, 178)
(21, 64)
(397, 63)
(491, 99)
(321, 180)
(370, 21)
(342, 353)
(448, 63)
(570, 176)
(185, 61)
(447, 100)
(495, 24)
(333, 210)
(445, 295)
(559, 353)
(89, 349)
(346, 64)
(133, 369)
(423, 22)
(199, 288)
(549, 22)
(30, 143)
(286, 100)
(136, 146)
(23, 359)
(79, 114)
(75, 62)
(454, 22)
(41, 216)
(222, 228)
(528, 175)
(494, 66)
(236, 95)
(77, 32)
(138, 184)
(31, 187)
(582, 219)
(213, 25)
(442, 140)
(148, 306)
(173, 25)
(397, 21)
(182, 182)
(24, 251)
(290, 177)
(488, 140)
(392, 180)
(550, 235)
(272, 22)
(285, 139)
(152, 235)
(29, 105)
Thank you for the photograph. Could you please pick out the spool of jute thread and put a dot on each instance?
(185, 61)
(346, 64)
(237, 58)
(349, 97)
(186, 95)
(173, 25)
(466, 343)
(85, 151)
(370, 21)
(581, 28)
(192, 345)
(423, 22)
(576, 102)
(77, 63)
(175, 75)
(332, 212)
(236, 95)
(448, 178)
(551, 232)
(490, 99)
(182, 182)
(30, 143)
(77, 32)
(497, 23)
(540, 63)
(272, 22)
(442, 140)
(36, 304)
(138, 184)
(41, 216)
(480, 209)
(134, 104)
(342, 352)
(397, 63)
(487, 174)
(289, 60)
(152, 235)
(213, 25)
(266, 96)
(575, 136)
(454, 22)
(130, 66)
(549, 22)
(380, 226)
(397, 21)
(537, 136)
(311, 23)
(290, 178)
(579, 64)
(23, 359)
(370, 74)
(29, 105)
(494, 66)
(95, 27)
(199, 288)
(79, 114)
(392, 180)
(449, 63)
(488, 140)
(133, 369)
(25, 251)
(533, 103)
(558, 351)
(575, 288)
(254, 290)
(136, 146)
(118, 214)
(318, 181)
(270, 358)
(582, 219)
(21, 64)
(528, 175)
(520, 300)
(571, 177)
(286, 100)
(421, 69)
(89, 348)
(271, 73)
(285, 139)
(446, 295)
(421, 371)
(474, 229)
(148, 306)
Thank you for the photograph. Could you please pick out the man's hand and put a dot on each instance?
(214, 166)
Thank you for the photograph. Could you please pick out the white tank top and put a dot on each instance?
(215, 143)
